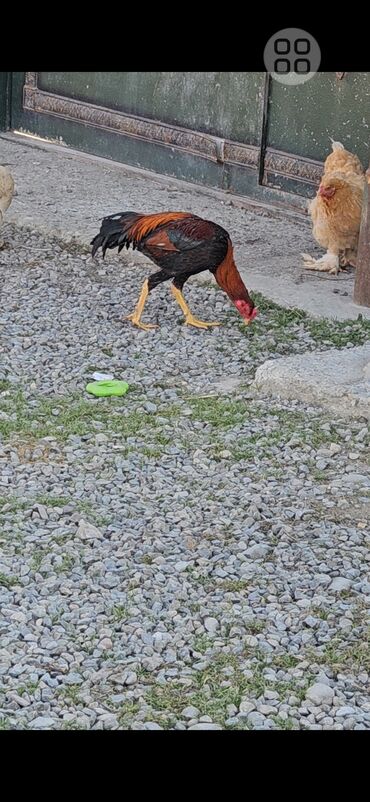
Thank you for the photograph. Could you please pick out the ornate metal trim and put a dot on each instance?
(210, 147)
(298, 167)
(207, 146)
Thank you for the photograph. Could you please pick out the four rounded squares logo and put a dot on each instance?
(292, 56)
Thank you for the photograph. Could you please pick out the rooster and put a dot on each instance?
(6, 193)
(336, 211)
(181, 245)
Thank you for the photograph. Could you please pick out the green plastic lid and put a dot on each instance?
(107, 387)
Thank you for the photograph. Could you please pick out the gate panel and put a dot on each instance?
(240, 132)
(224, 104)
(301, 120)
(166, 122)
(5, 91)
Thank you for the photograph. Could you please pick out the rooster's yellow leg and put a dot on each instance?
(190, 320)
(135, 317)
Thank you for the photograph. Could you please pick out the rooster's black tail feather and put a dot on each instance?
(114, 232)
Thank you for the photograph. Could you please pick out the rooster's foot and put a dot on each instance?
(135, 320)
(190, 320)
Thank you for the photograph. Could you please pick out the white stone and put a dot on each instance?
(257, 551)
(105, 644)
(131, 678)
(181, 566)
(333, 379)
(340, 583)
(42, 723)
(267, 710)
(345, 711)
(205, 725)
(320, 694)
(110, 722)
(190, 712)
(87, 531)
(152, 725)
(211, 624)
(246, 707)
(356, 479)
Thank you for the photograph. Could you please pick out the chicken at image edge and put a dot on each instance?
(336, 211)
(181, 245)
(6, 193)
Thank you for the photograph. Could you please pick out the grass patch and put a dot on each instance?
(15, 503)
(51, 501)
(320, 612)
(285, 661)
(221, 413)
(211, 695)
(255, 627)
(61, 417)
(330, 333)
(147, 559)
(70, 694)
(88, 508)
(29, 688)
(284, 723)
(119, 613)
(169, 698)
(342, 656)
(126, 714)
(224, 414)
(36, 561)
(72, 725)
(7, 581)
(66, 565)
(233, 585)
(201, 643)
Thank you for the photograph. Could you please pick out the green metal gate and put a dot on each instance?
(240, 132)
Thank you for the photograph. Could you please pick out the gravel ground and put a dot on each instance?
(53, 185)
(189, 556)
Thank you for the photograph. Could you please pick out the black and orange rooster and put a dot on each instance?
(181, 244)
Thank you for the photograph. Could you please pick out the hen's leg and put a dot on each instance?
(329, 263)
(135, 317)
(349, 257)
(190, 320)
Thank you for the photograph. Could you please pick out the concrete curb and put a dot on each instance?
(338, 380)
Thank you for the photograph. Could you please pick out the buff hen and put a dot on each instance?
(336, 211)
(6, 193)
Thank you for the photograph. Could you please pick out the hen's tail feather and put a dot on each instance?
(114, 232)
(336, 145)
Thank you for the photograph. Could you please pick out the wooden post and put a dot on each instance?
(362, 278)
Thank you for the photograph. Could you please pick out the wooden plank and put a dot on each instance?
(362, 279)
